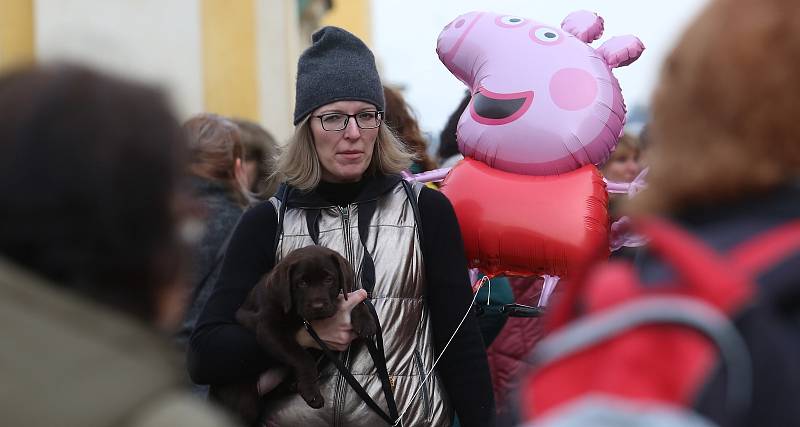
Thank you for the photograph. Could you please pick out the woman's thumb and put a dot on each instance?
(354, 298)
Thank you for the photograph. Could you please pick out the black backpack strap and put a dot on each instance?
(365, 212)
(413, 199)
(312, 222)
(282, 196)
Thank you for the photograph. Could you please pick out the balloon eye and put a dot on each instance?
(510, 21)
(547, 35)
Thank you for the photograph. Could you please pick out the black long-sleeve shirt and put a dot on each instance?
(222, 351)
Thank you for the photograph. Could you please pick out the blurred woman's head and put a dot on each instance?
(217, 152)
(260, 152)
(725, 112)
(623, 164)
(90, 167)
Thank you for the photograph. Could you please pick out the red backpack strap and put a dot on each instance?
(705, 273)
(767, 249)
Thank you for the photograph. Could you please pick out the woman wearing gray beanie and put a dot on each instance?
(342, 190)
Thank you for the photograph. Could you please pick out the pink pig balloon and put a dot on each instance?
(544, 101)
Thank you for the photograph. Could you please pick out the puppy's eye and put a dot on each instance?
(328, 280)
(302, 284)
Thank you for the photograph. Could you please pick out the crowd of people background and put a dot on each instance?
(127, 235)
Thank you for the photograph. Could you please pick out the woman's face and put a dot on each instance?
(344, 154)
(622, 168)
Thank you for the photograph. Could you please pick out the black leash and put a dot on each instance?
(379, 359)
(376, 348)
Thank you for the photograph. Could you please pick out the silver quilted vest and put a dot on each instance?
(399, 299)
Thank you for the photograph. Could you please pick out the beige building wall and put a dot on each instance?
(284, 31)
(278, 45)
(354, 16)
(232, 57)
(155, 41)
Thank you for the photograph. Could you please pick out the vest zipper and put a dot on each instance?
(339, 396)
(340, 383)
(348, 243)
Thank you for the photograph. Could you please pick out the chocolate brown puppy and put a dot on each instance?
(304, 285)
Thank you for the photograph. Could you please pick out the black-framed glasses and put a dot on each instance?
(338, 121)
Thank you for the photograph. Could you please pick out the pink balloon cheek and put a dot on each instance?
(573, 89)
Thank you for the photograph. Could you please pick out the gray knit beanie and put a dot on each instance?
(338, 66)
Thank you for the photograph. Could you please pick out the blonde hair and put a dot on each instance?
(627, 145)
(725, 113)
(299, 166)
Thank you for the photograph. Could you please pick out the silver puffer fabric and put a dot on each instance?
(399, 299)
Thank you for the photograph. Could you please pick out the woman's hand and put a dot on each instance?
(335, 331)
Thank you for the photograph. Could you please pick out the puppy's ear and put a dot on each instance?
(346, 274)
(282, 285)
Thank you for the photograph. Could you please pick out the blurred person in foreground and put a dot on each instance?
(343, 191)
(400, 120)
(725, 165)
(90, 253)
(260, 154)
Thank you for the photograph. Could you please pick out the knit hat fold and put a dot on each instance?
(338, 66)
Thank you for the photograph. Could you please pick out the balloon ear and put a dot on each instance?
(346, 274)
(586, 26)
(281, 285)
(621, 50)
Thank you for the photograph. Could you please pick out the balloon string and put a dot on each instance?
(489, 293)
(484, 279)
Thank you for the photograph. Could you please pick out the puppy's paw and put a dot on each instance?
(363, 323)
(312, 396)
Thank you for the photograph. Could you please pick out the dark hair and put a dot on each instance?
(89, 167)
(448, 145)
(402, 122)
(260, 147)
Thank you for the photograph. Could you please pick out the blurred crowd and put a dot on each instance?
(129, 240)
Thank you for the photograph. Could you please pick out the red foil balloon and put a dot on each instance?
(526, 225)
